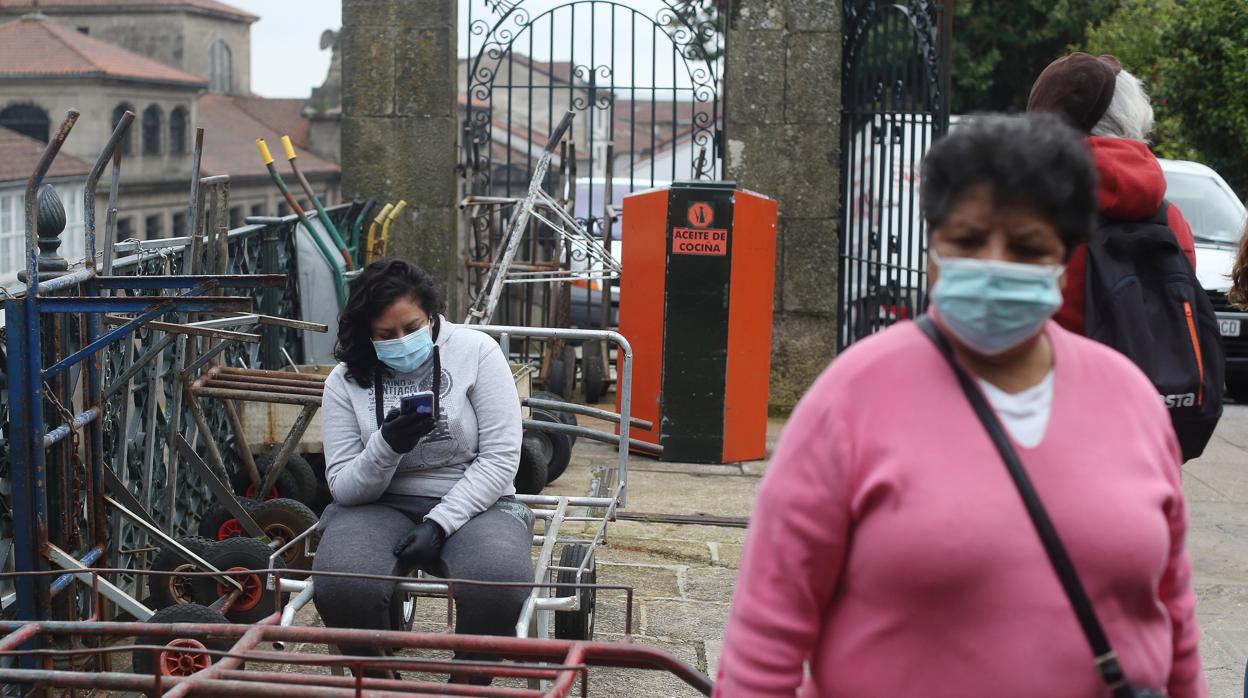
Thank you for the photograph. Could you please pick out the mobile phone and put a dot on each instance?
(420, 403)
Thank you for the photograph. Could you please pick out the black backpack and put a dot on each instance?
(1144, 300)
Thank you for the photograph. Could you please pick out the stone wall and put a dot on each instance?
(400, 123)
(95, 101)
(782, 112)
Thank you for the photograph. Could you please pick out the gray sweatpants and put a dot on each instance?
(494, 545)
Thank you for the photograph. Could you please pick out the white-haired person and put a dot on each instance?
(1095, 95)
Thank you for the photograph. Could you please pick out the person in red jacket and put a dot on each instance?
(1109, 104)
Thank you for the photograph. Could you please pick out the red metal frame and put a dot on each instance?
(557, 662)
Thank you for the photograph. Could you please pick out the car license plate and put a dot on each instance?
(1228, 328)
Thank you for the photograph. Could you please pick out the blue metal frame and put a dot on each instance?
(29, 436)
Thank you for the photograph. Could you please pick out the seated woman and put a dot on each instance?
(890, 552)
(418, 490)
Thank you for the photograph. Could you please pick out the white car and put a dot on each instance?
(1217, 219)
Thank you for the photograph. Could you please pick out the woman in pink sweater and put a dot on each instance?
(890, 553)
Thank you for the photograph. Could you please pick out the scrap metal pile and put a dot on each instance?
(144, 407)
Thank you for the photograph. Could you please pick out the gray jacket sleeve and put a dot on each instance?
(358, 466)
(497, 404)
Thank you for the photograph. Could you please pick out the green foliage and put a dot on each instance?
(1193, 56)
(1000, 46)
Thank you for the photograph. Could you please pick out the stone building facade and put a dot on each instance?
(179, 65)
(201, 37)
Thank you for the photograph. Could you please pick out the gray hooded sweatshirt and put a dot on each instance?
(470, 458)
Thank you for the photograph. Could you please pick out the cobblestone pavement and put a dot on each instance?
(1217, 492)
(683, 575)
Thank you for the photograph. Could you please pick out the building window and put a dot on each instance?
(127, 143)
(84, 30)
(125, 229)
(13, 230)
(236, 217)
(221, 68)
(177, 130)
(151, 130)
(179, 225)
(152, 229)
(26, 119)
(283, 210)
(12, 237)
(257, 210)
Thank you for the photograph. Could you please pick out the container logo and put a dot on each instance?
(701, 215)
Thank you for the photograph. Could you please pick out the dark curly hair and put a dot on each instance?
(1034, 159)
(378, 285)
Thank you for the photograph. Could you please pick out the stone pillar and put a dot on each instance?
(399, 121)
(783, 117)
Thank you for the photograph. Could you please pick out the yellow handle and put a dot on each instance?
(289, 147)
(398, 208)
(264, 151)
(385, 211)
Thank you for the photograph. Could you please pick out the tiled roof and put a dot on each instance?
(40, 48)
(19, 155)
(285, 115)
(211, 6)
(230, 133)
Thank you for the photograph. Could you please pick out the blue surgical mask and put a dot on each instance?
(993, 306)
(407, 353)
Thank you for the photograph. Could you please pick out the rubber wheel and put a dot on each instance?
(283, 520)
(576, 625)
(403, 615)
(557, 444)
(217, 523)
(240, 556)
(173, 591)
(172, 662)
(593, 373)
(561, 376)
(565, 417)
(531, 475)
(297, 480)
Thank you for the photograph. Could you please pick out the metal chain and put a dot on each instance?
(51, 396)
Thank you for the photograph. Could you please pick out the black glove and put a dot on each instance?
(403, 431)
(421, 547)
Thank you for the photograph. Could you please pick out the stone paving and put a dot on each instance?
(683, 575)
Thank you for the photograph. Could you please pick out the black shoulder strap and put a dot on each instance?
(1106, 660)
(379, 388)
(379, 397)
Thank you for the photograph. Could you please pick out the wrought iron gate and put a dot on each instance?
(895, 82)
(644, 79)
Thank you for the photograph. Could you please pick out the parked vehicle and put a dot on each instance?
(1217, 219)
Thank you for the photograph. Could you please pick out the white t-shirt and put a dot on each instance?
(1024, 414)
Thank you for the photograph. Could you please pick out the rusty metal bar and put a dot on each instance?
(201, 421)
(288, 447)
(218, 486)
(32, 190)
(694, 519)
(166, 282)
(188, 329)
(229, 394)
(280, 375)
(622, 655)
(138, 365)
(572, 408)
(228, 383)
(240, 442)
(274, 383)
(372, 684)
